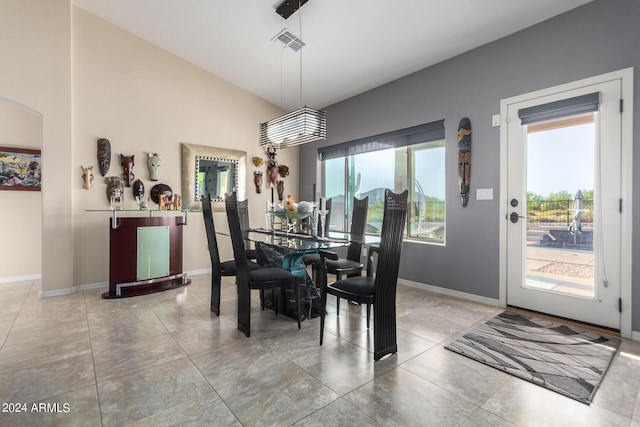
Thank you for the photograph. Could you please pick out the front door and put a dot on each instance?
(564, 199)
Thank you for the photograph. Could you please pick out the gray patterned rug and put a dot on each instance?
(566, 359)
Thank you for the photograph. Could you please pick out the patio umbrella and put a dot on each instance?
(576, 225)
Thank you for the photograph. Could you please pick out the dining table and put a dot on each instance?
(275, 248)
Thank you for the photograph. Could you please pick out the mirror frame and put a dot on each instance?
(189, 176)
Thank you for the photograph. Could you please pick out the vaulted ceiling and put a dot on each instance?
(351, 46)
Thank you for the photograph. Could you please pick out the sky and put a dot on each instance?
(561, 159)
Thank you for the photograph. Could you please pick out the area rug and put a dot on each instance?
(566, 359)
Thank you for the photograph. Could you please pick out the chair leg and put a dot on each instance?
(297, 285)
(215, 294)
(262, 299)
(323, 311)
(368, 314)
(338, 306)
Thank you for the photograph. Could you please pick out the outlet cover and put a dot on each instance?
(484, 194)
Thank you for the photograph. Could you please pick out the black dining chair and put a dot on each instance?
(351, 265)
(260, 279)
(378, 290)
(218, 268)
(243, 210)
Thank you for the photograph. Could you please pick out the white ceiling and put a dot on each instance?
(351, 45)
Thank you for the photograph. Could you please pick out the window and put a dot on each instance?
(412, 159)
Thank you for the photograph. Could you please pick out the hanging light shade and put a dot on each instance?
(297, 127)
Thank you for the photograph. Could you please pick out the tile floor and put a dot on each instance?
(164, 359)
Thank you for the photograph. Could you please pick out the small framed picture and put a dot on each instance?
(20, 169)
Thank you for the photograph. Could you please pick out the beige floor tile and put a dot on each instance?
(50, 378)
(276, 396)
(526, 404)
(457, 374)
(165, 359)
(144, 393)
(401, 398)
(337, 413)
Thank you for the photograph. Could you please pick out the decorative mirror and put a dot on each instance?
(211, 170)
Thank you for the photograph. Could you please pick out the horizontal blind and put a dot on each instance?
(558, 109)
(433, 131)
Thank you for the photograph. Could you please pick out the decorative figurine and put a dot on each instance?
(257, 180)
(104, 155)
(127, 165)
(87, 177)
(177, 202)
(115, 189)
(290, 204)
(138, 189)
(164, 202)
(153, 161)
(280, 189)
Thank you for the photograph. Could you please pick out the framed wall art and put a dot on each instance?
(20, 169)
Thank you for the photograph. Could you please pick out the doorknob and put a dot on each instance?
(514, 217)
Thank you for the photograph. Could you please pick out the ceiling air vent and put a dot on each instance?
(289, 40)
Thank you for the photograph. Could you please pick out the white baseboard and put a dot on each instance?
(635, 335)
(198, 272)
(26, 278)
(494, 302)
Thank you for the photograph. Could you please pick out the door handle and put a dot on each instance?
(514, 217)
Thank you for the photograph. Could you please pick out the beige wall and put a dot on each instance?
(35, 39)
(144, 99)
(22, 246)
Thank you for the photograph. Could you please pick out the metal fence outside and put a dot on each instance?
(557, 211)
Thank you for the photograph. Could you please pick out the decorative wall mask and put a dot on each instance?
(258, 161)
(153, 161)
(104, 155)
(283, 171)
(273, 175)
(280, 188)
(138, 189)
(87, 177)
(115, 187)
(159, 189)
(127, 165)
(257, 180)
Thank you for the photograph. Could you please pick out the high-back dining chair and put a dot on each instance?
(218, 268)
(351, 265)
(243, 210)
(246, 279)
(381, 289)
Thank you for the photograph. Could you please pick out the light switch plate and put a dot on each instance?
(495, 120)
(484, 194)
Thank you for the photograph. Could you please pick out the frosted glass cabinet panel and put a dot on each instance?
(153, 252)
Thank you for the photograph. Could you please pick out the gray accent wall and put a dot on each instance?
(597, 38)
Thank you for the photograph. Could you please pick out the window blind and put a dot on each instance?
(433, 131)
(558, 109)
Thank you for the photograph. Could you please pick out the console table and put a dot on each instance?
(145, 252)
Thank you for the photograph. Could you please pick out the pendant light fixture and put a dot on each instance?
(304, 124)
